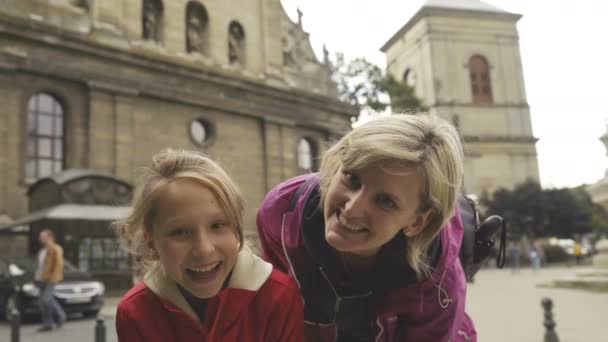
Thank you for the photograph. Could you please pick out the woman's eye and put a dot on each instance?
(386, 202)
(351, 180)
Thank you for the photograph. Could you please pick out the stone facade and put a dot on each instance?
(433, 52)
(125, 97)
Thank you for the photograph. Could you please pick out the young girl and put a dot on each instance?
(201, 284)
(373, 239)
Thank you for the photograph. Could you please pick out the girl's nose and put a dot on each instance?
(204, 243)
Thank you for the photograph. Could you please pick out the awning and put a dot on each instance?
(71, 212)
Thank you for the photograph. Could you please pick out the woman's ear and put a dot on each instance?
(420, 222)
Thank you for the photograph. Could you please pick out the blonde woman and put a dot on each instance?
(373, 239)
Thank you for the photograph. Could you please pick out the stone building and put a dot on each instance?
(103, 85)
(462, 57)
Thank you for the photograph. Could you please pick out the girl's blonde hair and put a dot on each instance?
(169, 166)
(420, 142)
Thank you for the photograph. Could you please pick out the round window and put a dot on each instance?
(200, 131)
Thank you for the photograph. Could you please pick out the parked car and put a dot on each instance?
(77, 293)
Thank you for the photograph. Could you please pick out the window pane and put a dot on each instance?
(31, 148)
(474, 87)
(58, 131)
(57, 167)
(45, 103)
(58, 149)
(96, 255)
(44, 147)
(473, 77)
(198, 132)
(31, 104)
(304, 155)
(45, 168)
(45, 125)
(30, 168)
(57, 110)
(31, 123)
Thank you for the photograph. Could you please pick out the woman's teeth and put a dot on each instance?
(349, 226)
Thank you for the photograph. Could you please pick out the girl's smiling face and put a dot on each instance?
(193, 238)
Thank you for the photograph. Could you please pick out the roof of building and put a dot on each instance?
(69, 175)
(71, 212)
(468, 5)
(475, 7)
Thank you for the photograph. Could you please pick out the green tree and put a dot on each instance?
(522, 208)
(367, 87)
(529, 210)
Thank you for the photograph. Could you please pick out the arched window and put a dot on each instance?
(151, 18)
(196, 28)
(45, 136)
(409, 77)
(481, 85)
(306, 155)
(236, 44)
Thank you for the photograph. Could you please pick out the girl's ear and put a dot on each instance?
(150, 245)
(420, 222)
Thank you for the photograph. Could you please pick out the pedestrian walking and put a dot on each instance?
(514, 256)
(49, 273)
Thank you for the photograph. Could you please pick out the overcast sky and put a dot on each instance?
(565, 61)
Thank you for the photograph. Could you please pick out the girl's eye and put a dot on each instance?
(180, 232)
(218, 225)
(386, 202)
(351, 180)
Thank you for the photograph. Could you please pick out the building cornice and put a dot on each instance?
(154, 61)
(500, 139)
(468, 105)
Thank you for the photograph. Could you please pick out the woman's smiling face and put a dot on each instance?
(193, 238)
(366, 208)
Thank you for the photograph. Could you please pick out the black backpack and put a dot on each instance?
(478, 237)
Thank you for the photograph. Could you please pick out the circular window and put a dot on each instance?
(201, 131)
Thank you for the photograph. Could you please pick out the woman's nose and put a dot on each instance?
(355, 203)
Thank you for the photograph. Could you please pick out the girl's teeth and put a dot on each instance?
(205, 269)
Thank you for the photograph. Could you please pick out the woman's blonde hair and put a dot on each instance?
(169, 166)
(420, 142)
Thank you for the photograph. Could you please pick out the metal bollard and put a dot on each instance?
(100, 330)
(549, 323)
(15, 325)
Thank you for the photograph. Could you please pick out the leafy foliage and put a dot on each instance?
(534, 212)
(365, 86)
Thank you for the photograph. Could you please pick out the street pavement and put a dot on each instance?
(505, 307)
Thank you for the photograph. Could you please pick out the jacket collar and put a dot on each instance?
(249, 273)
